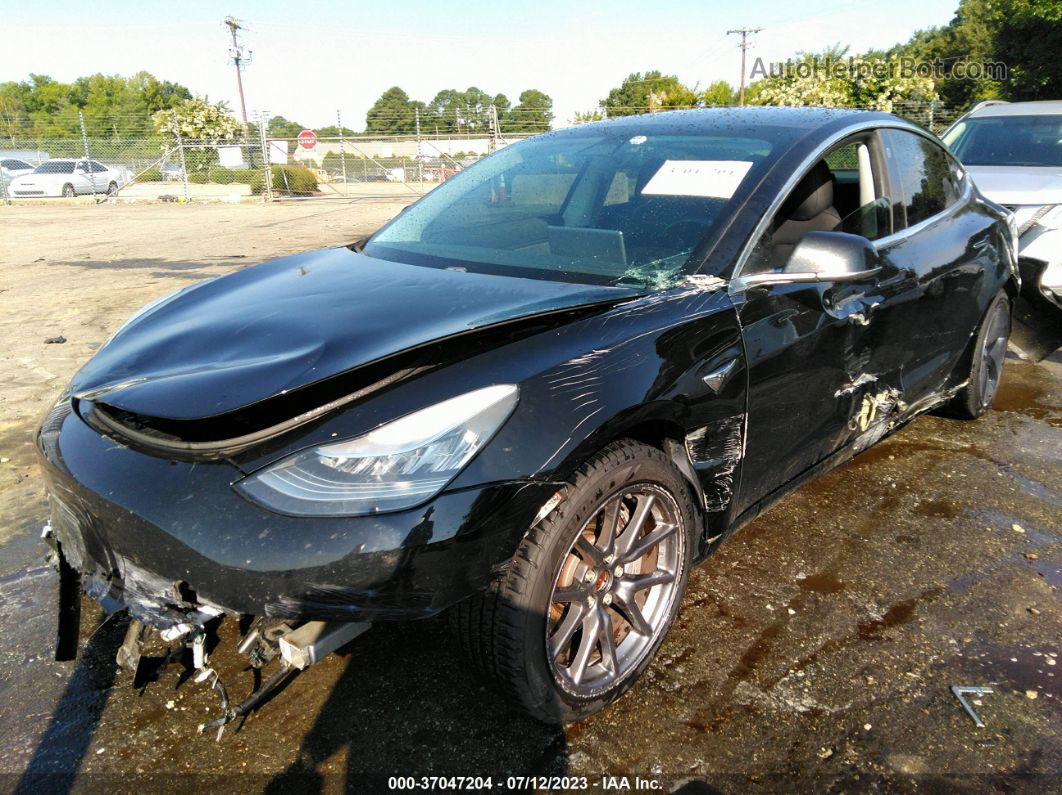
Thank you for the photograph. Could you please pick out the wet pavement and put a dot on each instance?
(814, 651)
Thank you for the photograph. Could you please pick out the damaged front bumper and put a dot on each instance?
(172, 543)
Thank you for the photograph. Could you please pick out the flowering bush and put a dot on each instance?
(198, 120)
(857, 82)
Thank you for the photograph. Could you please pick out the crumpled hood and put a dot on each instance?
(1019, 185)
(231, 342)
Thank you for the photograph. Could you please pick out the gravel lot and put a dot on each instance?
(815, 651)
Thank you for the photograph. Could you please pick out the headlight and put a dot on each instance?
(397, 466)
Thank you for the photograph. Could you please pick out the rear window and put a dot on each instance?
(1008, 141)
(54, 168)
(15, 164)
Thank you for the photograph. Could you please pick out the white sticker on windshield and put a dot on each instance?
(716, 179)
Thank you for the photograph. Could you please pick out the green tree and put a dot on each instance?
(332, 131)
(113, 106)
(719, 94)
(392, 114)
(1028, 38)
(967, 39)
(533, 114)
(587, 117)
(646, 93)
(279, 127)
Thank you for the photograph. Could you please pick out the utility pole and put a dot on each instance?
(342, 148)
(416, 124)
(241, 60)
(744, 33)
(420, 160)
(492, 120)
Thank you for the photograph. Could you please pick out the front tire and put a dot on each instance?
(112, 189)
(592, 589)
(986, 366)
(68, 191)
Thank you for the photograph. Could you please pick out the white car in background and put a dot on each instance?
(11, 167)
(1013, 151)
(69, 177)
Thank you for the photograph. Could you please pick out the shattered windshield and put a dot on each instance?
(600, 209)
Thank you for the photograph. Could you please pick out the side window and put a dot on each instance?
(622, 187)
(842, 192)
(98, 167)
(539, 187)
(926, 180)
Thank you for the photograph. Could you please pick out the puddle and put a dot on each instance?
(1019, 668)
(823, 582)
(1017, 393)
(899, 613)
(937, 509)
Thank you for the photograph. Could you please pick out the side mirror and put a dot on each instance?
(825, 257)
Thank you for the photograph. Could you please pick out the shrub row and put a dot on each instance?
(219, 176)
(293, 180)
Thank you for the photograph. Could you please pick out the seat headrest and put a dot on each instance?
(812, 196)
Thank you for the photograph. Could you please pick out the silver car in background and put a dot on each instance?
(1013, 151)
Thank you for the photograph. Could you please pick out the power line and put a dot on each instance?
(744, 33)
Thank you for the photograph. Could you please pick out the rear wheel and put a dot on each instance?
(986, 366)
(592, 589)
(68, 191)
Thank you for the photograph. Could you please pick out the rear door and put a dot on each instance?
(102, 174)
(82, 177)
(945, 246)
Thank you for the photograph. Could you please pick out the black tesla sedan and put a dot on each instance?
(537, 396)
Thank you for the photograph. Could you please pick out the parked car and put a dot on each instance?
(172, 172)
(1013, 151)
(12, 167)
(536, 398)
(69, 177)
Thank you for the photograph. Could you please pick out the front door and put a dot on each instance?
(816, 370)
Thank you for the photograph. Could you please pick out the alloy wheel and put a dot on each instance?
(613, 595)
(993, 351)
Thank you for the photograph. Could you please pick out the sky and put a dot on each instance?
(312, 58)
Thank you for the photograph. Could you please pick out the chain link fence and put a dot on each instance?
(268, 168)
(262, 167)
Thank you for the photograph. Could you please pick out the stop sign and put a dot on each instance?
(307, 139)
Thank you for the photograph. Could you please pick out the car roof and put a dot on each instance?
(737, 121)
(1045, 107)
